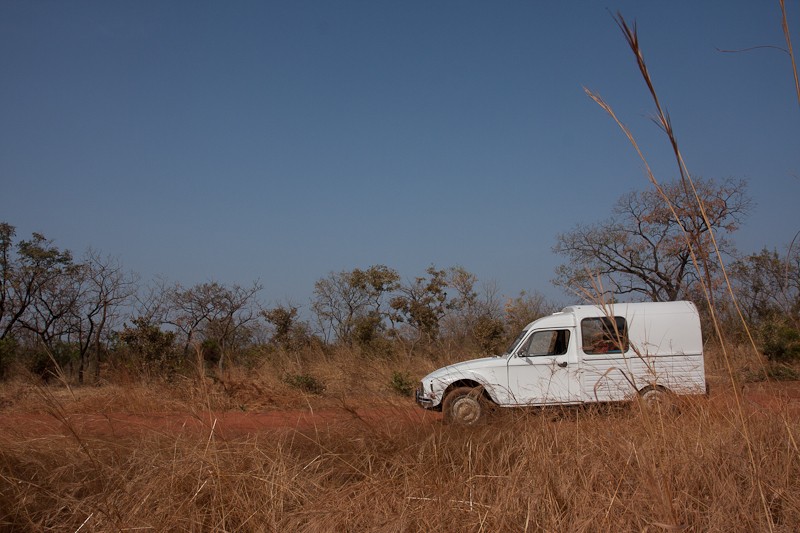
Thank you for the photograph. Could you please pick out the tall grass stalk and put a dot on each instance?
(787, 35)
(695, 247)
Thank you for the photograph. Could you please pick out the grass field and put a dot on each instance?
(714, 465)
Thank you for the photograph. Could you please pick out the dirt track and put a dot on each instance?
(772, 395)
(758, 397)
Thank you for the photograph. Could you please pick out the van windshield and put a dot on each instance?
(516, 341)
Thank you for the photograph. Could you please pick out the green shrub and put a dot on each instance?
(8, 349)
(781, 341)
(49, 363)
(402, 383)
(305, 383)
(148, 348)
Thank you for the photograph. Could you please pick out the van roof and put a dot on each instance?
(572, 314)
(630, 308)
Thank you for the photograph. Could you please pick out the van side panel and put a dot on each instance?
(609, 377)
(666, 349)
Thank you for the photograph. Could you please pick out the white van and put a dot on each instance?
(582, 354)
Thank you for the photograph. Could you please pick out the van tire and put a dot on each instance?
(657, 399)
(465, 406)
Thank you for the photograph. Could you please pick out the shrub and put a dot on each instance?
(402, 383)
(8, 347)
(489, 334)
(151, 349)
(54, 361)
(305, 383)
(781, 341)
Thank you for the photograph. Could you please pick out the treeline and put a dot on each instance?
(72, 317)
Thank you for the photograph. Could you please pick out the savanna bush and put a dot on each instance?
(305, 383)
(402, 383)
(781, 340)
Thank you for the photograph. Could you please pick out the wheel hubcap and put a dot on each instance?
(466, 410)
(657, 400)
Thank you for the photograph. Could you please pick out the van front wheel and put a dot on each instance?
(465, 406)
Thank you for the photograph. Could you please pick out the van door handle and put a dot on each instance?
(563, 365)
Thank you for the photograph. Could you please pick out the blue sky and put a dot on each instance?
(279, 141)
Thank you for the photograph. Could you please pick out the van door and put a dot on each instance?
(544, 369)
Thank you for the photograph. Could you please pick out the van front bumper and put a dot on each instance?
(425, 401)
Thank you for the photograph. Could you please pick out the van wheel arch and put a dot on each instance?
(466, 406)
(471, 384)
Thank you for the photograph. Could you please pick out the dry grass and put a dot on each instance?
(596, 469)
(618, 469)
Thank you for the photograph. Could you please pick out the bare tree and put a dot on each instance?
(104, 287)
(214, 312)
(474, 312)
(422, 303)
(51, 312)
(77, 307)
(61, 302)
(525, 308)
(345, 302)
(644, 250)
(151, 302)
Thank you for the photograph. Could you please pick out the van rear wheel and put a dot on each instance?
(657, 400)
(465, 406)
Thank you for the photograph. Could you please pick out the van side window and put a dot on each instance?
(604, 335)
(551, 342)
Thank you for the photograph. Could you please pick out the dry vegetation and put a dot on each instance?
(599, 469)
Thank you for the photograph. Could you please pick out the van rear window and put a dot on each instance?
(604, 335)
